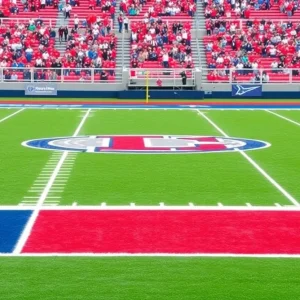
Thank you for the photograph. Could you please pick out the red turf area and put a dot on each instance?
(239, 232)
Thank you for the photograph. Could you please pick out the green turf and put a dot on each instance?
(20, 166)
(282, 159)
(292, 114)
(149, 278)
(150, 179)
(6, 112)
(203, 179)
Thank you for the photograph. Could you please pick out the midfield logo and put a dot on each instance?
(146, 144)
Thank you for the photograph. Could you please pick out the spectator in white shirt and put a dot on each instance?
(165, 59)
(273, 52)
(76, 22)
(274, 66)
(14, 76)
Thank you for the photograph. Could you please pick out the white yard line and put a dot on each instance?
(254, 164)
(29, 225)
(282, 117)
(11, 115)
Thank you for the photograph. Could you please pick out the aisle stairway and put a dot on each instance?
(199, 19)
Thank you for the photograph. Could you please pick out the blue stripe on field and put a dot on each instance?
(142, 106)
(12, 223)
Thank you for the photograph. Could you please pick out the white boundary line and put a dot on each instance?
(283, 117)
(11, 115)
(254, 164)
(156, 108)
(29, 225)
(150, 255)
(104, 207)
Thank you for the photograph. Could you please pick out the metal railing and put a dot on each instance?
(51, 22)
(63, 75)
(168, 21)
(153, 77)
(259, 76)
(162, 77)
(242, 22)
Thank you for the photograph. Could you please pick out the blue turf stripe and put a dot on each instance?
(12, 223)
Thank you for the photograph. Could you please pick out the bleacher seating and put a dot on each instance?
(87, 51)
(251, 9)
(263, 40)
(161, 44)
(92, 45)
(248, 46)
(155, 8)
(26, 42)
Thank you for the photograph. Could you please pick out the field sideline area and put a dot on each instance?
(161, 201)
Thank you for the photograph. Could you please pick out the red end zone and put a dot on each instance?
(185, 232)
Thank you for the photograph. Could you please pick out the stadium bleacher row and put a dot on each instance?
(255, 45)
(239, 39)
(28, 39)
(157, 44)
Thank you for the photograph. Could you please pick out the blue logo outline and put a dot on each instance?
(43, 144)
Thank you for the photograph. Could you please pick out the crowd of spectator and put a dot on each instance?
(169, 44)
(93, 47)
(159, 7)
(258, 44)
(242, 8)
(28, 42)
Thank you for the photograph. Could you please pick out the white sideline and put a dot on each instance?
(29, 225)
(283, 117)
(104, 207)
(254, 164)
(233, 255)
(11, 115)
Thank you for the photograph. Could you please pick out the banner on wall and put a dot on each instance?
(246, 90)
(43, 89)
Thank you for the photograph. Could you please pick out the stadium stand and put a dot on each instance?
(252, 41)
(157, 8)
(254, 45)
(161, 44)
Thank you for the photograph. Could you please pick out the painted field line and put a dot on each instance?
(283, 117)
(254, 164)
(11, 115)
(104, 206)
(28, 201)
(291, 256)
(29, 225)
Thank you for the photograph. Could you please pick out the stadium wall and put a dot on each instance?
(205, 91)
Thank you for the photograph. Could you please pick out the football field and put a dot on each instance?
(145, 203)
